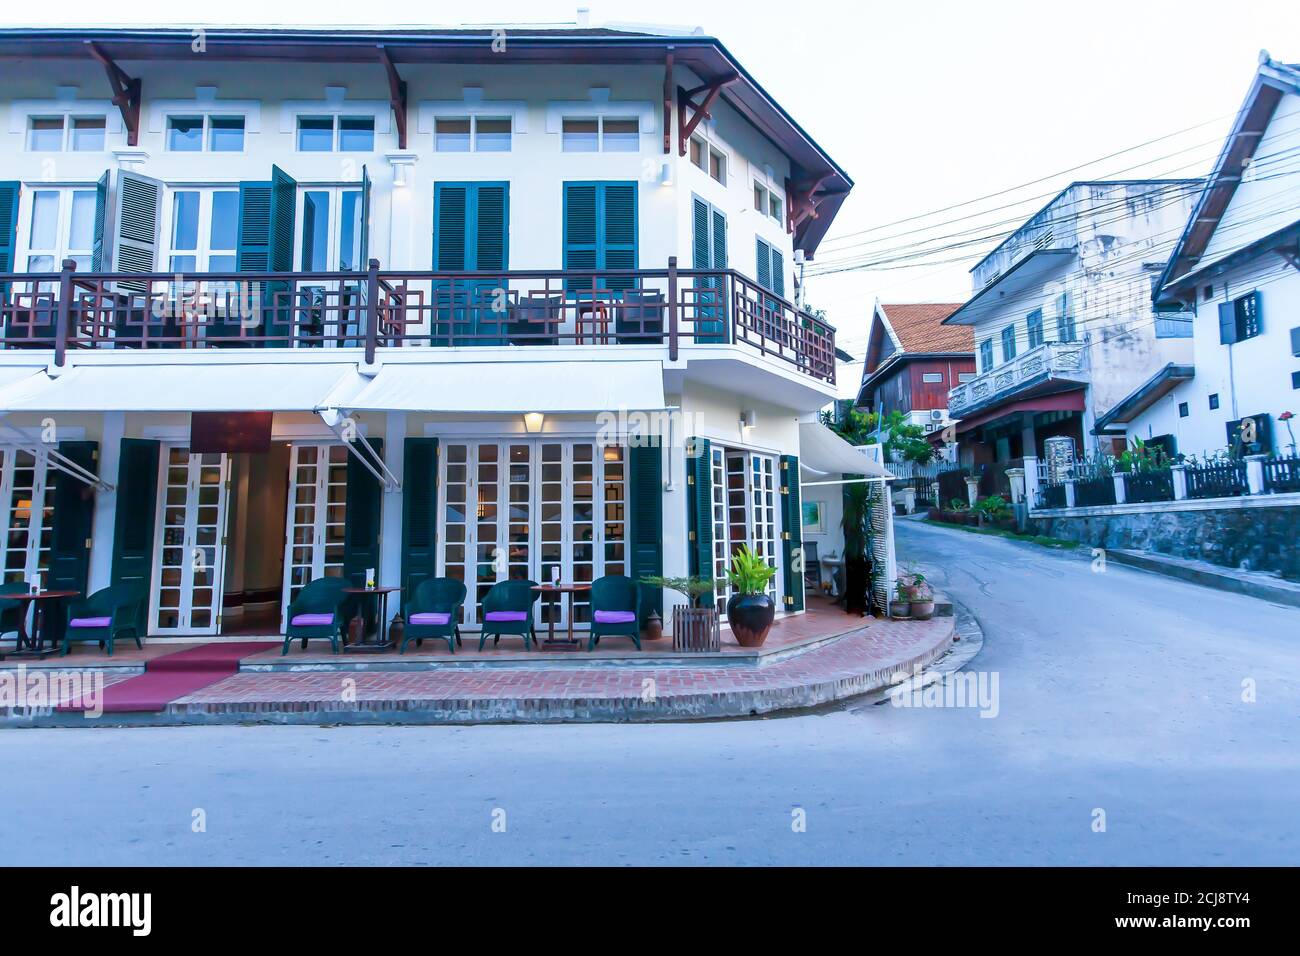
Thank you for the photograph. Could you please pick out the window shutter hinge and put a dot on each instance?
(785, 489)
(690, 536)
(785, 535)
(690, 479)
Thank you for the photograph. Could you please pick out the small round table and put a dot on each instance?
(551, 594)
(381, 641)
(33, 644)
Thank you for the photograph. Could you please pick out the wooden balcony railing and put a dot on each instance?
(377, 308)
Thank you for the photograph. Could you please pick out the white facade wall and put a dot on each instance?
(1124, 232)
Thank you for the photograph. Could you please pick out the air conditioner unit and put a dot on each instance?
(936, 415)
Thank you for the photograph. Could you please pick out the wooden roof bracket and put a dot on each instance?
(396, 95)
(697, 111)
(668, 102)
(1290, 257)
(801, 203)
(126, 92)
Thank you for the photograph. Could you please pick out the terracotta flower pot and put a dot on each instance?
(750, 617)
(923, 610)
(900, 609)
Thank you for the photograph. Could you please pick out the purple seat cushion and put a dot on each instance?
(90, 622)
(507, 616)
(431, 617)
(615, 617)
(312, 620)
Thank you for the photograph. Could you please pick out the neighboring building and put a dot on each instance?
(912, 361)
(1238, 266)
(411, 300)
(1063, 319)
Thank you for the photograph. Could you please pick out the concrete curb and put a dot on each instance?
(697, 705)
(1250, 583)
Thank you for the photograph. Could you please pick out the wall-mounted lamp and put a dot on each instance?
(533, 422)
(748, 418)
(666, 174)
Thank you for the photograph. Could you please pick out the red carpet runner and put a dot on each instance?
(172, 676)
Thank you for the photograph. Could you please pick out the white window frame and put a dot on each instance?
(39, 502)
(68, 117)
(770, 195)
(63, 227)
(203, 253)
(932, 378)
(473, 120)
(709, 149)
(720, 506)
(336, 118)
(600, 119)
(205, 141)
(335, 227)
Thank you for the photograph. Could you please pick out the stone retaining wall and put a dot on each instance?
(1255, 534)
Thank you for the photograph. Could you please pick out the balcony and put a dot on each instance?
(377, 309)
(1035, 372)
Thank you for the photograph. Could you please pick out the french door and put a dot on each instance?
(316, 516)
(745, 508)
(191, 544)
(513, 510)
(27, 496)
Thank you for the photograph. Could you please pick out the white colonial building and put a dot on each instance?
(1237, 265)
(284, 304)
(1063, 319)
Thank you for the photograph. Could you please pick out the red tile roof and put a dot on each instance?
(917, 326)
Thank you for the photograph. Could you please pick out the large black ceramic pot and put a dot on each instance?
(750, 617)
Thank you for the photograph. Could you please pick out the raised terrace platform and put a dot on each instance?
(811, 659)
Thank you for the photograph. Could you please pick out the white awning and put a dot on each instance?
(823, 453)
(513, 387)
(119, 387)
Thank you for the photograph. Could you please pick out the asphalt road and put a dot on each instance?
(1120, 701)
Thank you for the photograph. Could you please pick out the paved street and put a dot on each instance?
(1119, 691)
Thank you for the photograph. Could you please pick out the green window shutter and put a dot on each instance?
(419, 513)
(284, 205)
(699, 503)
(450, 227)
(778, 273)
(491, 218)
(101, 220)
(134, 516)
(719, 240)
(646, 520)
(8, 231)
(136, 226)
(701, 245)
(471, 232)
(253, 252)
(792, 534)
(363, 260)
(364, 503)
(600, 231)
(763, 257)
(72, 517)
(1227, 323)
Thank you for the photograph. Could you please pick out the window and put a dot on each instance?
(1065, 331)
(1241, 318)
(1034, 321)
(760, 198)
(185, 134)
(87, 134)
(331, 230)
(768, 202)
(771, 268)
(1214, 400)
(1183, 410)
(221, 134)
(479, 134)
(347, 134)
(62, 227)
(600, 134)
(1173, 325)
(204, 230)
(1207, 293)
(45, 134)
(226, 134)
(986, 355)
(697, 152)
(775, 206)
(932, 377)
(1295, 379)
(1009, 343)
(967, 376)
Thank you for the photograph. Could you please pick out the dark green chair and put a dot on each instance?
(434, 612)
(317, 613)
(106, 615)
(508, 609)
(11, 611)
(615, 610)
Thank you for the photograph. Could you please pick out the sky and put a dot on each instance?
(927, 105)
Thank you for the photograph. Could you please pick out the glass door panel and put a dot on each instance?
(26, 493)
(191, 543)
(316, 516)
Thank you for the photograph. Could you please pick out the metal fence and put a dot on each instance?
(1143, 486)
(1282, 474)
(1095, 491)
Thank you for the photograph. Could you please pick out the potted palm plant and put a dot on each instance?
(695, 624)
(750, 609)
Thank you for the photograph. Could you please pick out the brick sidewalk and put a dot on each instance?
(856, 663)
